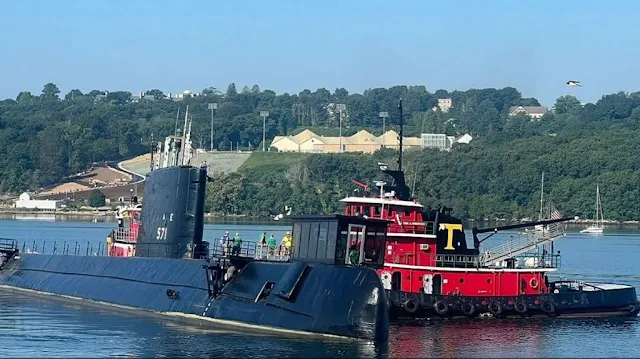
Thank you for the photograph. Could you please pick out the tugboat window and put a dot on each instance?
(374, 246)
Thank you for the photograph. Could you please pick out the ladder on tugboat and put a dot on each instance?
(521, 243)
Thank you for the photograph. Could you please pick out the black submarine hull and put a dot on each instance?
(321, 305)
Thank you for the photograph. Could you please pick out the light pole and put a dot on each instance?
(341, 107)
(264, 115)
(212, 106)
(384, 115)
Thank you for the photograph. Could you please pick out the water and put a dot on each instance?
(44, 327)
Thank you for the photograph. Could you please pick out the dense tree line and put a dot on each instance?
(48, 136)
(496, 176)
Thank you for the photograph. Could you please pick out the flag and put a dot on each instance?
(555, 214)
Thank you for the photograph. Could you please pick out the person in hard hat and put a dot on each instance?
(285, 244)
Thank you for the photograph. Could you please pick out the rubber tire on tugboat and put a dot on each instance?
(495, 308)
(468, 309)
(440, 307)
(410, 306)
(548, 307)
(520, 307)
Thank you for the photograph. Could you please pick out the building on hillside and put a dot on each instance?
(535, 112)
(442, 141)
(362, 141)
(444, 104)
(26, 200)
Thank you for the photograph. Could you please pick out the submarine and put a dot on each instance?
(326, 285)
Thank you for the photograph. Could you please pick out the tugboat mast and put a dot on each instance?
(401, 135)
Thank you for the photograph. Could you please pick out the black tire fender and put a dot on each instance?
(440, 307)
(548, 307)
(495, 308)
(411, 306)
(468, 308)
(520, 307)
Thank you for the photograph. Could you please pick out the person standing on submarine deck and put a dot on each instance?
(237, 243)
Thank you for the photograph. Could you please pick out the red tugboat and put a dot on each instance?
(429, 270)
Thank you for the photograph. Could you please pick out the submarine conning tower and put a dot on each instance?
(172, 216)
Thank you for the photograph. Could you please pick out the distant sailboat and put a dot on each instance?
(597, 228)
(539, 228)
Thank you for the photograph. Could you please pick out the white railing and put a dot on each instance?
(272, 253)
(522, 243)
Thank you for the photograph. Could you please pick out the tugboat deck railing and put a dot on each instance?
(519, 244)
(124, 235)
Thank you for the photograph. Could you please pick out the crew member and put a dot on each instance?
(262, 242)
(285, 245)
(237, 243)
(354, 255)
(271, 244)
(225, 242)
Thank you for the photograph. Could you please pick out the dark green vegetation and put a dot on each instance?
(45, 138)
(96, 199)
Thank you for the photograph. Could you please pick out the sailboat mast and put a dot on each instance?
(541, 198)
(598, 208)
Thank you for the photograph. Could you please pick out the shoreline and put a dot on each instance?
(6, 212)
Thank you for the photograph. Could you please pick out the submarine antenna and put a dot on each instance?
(151, 145)
(401, 135)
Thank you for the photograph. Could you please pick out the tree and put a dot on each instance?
(73, 94)
(566, 104)
(157, 94)
(231, 90)
(50, 92)
(96, 198)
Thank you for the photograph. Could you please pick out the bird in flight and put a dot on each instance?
(574, 83)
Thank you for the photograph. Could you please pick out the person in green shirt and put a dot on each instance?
(237, 243)
(271, 244)
(354, 255)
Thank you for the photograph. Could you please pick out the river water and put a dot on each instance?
(43, 327)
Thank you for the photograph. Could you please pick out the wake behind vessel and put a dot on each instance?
(319, 288)
(430, 270)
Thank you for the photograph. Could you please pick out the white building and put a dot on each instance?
(435, 140)
(25, 201)
(535, 112)
(442, 141)
(444, 104)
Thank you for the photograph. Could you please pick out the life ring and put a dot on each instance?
(548, 307)
(533, 283)
(520, 307)
(495, 308)
(411, 306)
(468, 308)
(440, 307)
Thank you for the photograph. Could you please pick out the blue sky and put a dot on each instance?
(287, 46)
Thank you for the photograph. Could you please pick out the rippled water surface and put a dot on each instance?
(44, 327)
